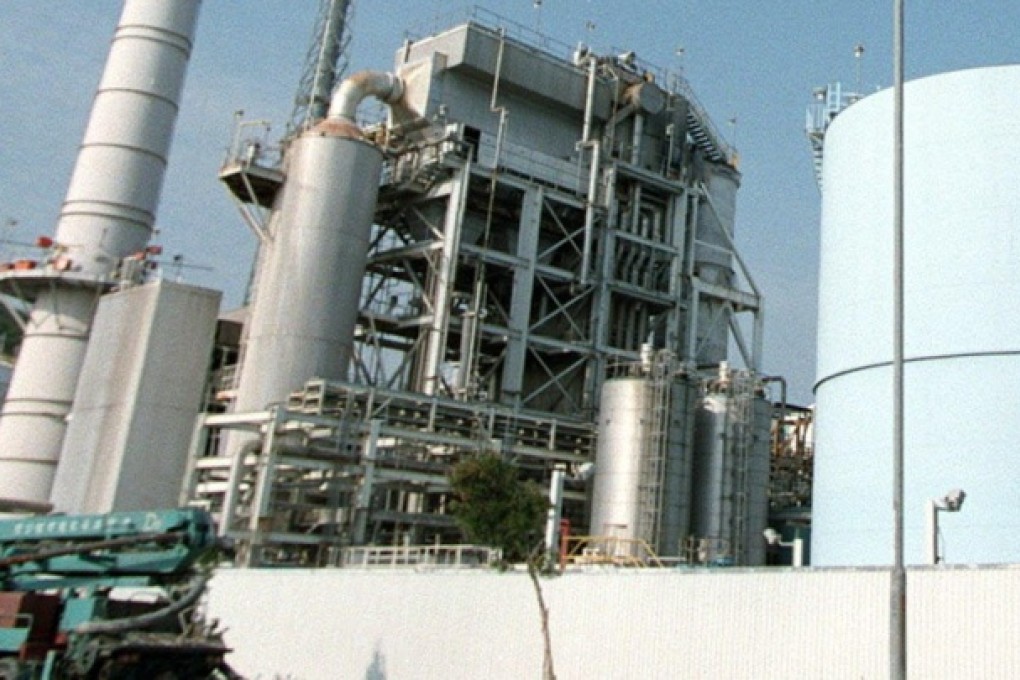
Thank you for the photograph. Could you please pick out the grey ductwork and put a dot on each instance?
(385, 87)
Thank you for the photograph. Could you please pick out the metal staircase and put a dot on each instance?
(830, 101)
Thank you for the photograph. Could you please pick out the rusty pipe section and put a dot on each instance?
(386, 87)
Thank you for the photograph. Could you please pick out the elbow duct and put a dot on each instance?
(385, 87)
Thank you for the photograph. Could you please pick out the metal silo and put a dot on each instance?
(642, 479)
(729, 504)
(309, 282)
(962, 335)
(108, 215)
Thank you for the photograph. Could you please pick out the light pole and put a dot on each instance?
(898, 583)
(951, 502)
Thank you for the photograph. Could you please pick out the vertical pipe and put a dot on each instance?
(108, 215)
(931, 532)
(445, 279)
(898, 594)
(635, 140)
(552, 522)
(589, 211)
(798, 551)
(470, 321)
(593, 170)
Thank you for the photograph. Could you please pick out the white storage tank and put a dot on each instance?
(962, 330)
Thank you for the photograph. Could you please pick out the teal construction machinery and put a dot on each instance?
(107, 597)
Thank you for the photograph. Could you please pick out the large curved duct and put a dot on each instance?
(309, 287)
(108, 215)
(962, 334)
(385, 87)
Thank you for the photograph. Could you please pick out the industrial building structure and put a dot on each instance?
(532, 255)
(547, 230)
(528, 233)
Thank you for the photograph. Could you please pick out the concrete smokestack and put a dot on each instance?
(108, 215)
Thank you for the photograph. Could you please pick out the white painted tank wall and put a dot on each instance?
(724, 623)
(962, 337)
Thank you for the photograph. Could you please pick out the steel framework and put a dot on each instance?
(539, 220)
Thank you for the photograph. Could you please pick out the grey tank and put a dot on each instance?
(309, 284)
(731, 472)
(626, 438)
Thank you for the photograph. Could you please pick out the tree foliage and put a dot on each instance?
(494, 507)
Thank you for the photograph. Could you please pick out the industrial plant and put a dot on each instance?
(508, 246)
(532, 255)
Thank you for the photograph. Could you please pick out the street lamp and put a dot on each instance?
(773, 537)
(951, 502)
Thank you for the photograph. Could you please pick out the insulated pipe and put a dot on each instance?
(589, 211)
(385, 87)
(108, 215)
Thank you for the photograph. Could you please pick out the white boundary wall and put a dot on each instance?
(736, 623)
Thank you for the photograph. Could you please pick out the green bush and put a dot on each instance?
(494, 507)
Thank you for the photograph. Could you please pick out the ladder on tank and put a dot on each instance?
(740, 426)
(653, 456)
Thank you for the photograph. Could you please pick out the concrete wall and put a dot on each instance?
(725, 623)
(140, 390)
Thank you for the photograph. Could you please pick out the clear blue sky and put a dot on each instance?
(756, 62)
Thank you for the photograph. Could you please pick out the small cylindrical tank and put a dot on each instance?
(622, 438)
(309, 283)
(729, 494)
(625, 485)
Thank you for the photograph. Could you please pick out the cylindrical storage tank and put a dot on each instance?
(309, 285)
(962, 332)
(622, 438)
(108, 215)
(713, 258)
(730, 475)
(712, 511)
(626, 440)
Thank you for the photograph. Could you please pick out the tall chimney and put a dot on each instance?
(108, 216)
